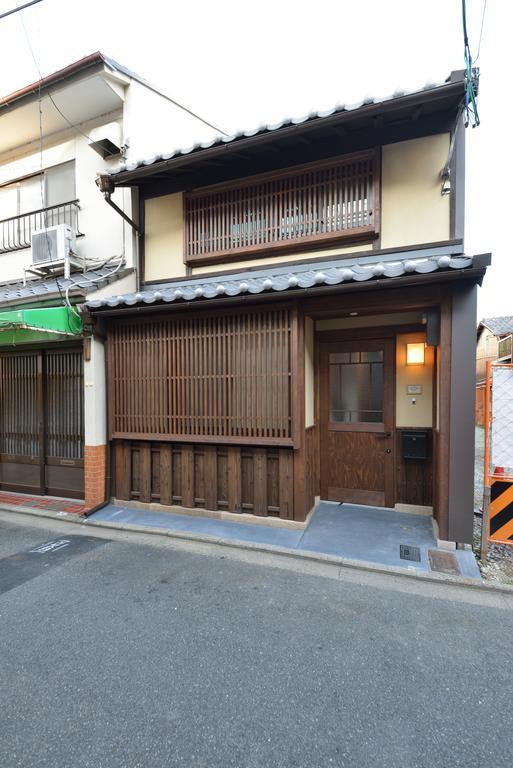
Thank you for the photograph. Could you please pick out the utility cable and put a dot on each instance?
(471, 75)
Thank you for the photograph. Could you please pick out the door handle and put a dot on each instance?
(383, 435)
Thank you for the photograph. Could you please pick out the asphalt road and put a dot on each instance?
(132, 653)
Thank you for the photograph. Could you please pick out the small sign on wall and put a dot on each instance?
(414, 389)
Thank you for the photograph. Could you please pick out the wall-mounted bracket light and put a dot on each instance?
(415, 353)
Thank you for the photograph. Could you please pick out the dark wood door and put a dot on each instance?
(357, 418)
(42, 422)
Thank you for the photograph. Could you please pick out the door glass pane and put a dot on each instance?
(356, 387)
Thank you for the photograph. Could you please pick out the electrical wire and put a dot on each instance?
(471, 75)
(90, 281)
(481, 32)
(47, 92)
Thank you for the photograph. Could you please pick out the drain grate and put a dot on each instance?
(443, 562)
(407, 552)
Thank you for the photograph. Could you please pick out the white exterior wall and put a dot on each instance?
(154, 124)
(105, 233)
(95, 395)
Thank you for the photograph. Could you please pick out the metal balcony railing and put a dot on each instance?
(16, 231)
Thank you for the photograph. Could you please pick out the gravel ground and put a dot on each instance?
(499, 565)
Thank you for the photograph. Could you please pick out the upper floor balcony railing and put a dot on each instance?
(16, 231)
(327, 203)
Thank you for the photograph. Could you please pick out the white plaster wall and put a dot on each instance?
(105, 232)
(95, 396)
(153, 124)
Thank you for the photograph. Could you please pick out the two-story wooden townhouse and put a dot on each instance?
(55, 136)
(304, 325)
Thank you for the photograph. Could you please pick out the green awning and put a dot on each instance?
(61, 320)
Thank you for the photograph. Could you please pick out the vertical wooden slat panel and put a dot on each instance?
(166, 474)
(210, 472)
(260, 486)
(123, 464)
(212, 376)
(187, 458)
(234, 479)
(286, 484)
(145, 472)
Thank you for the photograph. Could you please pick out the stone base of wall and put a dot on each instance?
(95, 468)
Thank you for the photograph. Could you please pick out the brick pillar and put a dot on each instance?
(95, 468)
(95, 413)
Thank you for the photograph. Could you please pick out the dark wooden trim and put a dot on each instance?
(283, 173)
(206, 439)
(298, 416)
(141, 242)
(378, 188)
(355, 496)
(457, 177)
(361, 426)
(307, 243)
(444, 437)
(351, 291)
(462, 414)
(42, 421)
(374, 332)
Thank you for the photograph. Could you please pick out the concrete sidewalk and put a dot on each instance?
(347, 535)
(368, 535)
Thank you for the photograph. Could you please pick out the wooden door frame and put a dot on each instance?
(385, 333)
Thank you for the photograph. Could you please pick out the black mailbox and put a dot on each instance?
(414, 445)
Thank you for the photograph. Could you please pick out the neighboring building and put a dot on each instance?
(494, 344)
(55, 135)
(304, 321)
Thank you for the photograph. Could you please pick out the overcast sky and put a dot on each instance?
(241, 63)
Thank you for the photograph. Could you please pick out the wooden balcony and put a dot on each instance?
(308, 206)
(16, 231)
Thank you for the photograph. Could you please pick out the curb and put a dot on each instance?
(294, 554)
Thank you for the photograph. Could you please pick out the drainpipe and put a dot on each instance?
(106, 186)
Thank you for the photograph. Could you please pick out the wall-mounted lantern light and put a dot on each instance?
(415, 353)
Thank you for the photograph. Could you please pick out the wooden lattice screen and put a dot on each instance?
(64, 404)
(223, 378)
(323, 201)
(19, 404)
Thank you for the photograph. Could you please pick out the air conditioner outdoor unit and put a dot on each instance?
(53, 246)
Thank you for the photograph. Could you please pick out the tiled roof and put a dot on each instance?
(294, 277)
(499, 326)
(174, 152)
(48, 287)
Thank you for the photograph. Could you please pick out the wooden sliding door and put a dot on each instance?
(42, 422)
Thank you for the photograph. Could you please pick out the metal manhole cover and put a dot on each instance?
(443, 562)
(408, 552)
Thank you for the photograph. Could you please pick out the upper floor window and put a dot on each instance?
(36, 202)
(329, 202)
(51, 187)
